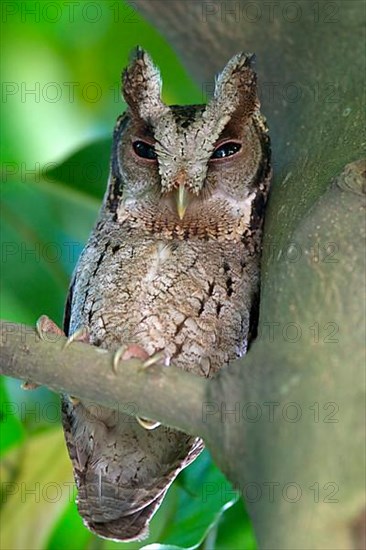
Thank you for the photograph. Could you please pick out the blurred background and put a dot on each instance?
(61, 65)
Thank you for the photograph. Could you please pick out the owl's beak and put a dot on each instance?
(182, 199)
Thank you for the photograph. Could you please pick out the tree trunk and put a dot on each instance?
(302, 473)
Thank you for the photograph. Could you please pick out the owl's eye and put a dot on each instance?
(144, 150)
(226, 150)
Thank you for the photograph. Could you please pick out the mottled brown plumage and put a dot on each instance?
(172, 265)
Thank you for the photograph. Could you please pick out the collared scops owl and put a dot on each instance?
(172, 265)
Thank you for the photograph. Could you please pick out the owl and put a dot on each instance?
(172, 266)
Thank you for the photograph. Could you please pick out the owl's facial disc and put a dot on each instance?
(180, 192)
(144, 151)
(190, 147)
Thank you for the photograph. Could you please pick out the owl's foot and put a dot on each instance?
(81, 334)
(147, 424)
(44, 326)
(134, 351)
(29, 385)
(153, 359)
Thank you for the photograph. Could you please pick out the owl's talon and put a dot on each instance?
(133, 351)
(153, 359)
(80, 335)
(147, 424)
(45, 325)
(73, 400)
(39, 328)
(29, 385)
(117, 357)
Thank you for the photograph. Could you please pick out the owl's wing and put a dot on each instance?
(122, 471)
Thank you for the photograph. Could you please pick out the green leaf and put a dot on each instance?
(201, 495)
(37, 410)
(69, 532)
(235, 530)
(12, 431)
(37, 486)
(86, 170)
(43, 229)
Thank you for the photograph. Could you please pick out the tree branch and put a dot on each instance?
(167, 394)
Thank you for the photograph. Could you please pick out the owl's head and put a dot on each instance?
(189, 170)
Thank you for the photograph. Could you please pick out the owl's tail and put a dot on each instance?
(122, 471)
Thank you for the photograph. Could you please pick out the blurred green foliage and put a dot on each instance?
(60, 98)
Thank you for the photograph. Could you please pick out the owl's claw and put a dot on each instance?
(153, 359)
(80, 335)
(117, 357)
(133, 351)
(29, 385)
(44, 325)
(147, 424)
(73, 400)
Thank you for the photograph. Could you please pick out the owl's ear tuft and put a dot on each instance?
(141, 87)
(236, 88)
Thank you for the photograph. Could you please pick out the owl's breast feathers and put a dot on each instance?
(190, 298)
